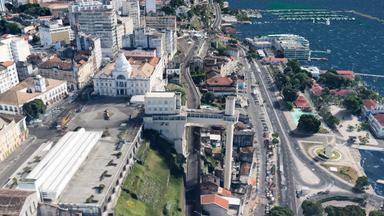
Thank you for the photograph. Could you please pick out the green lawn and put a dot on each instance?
(156, 189)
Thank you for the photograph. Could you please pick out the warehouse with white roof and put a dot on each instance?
(52, 174)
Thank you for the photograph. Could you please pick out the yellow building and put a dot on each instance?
(13, 131)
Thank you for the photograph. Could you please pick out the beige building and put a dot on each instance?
(77, 72)
(54, 32)
(49, 91)
(13, 131)
(161, 22)
(18, 202)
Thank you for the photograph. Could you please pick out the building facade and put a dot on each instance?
(8, 76)
(145, 38)
(162, 103)
(50, 91)
(127, 78)
(78, 72)
(100, 20)
(18, 202)
(131, 8)
(150, 6)
(52, 33)
(25, 70)
(14, 48)
(161, 22)
(376, 122)
(13, 132)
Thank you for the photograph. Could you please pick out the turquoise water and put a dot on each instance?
(297, 113)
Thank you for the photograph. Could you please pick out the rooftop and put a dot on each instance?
(18, 95)
(12, 201)
(160, 94)
(380, 118)
(100, 168)
(6, 119)
(301, 102)
(215, 200)
(219, 81)
(346, 74)
(55, 170)
(369, 104)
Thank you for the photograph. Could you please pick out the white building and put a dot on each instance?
(376, 122)
(162, 103)
(14, 48)
(150, 6)
(53, 32)
(145, 38)
(131, 8)
(127, 78)
(8, 76)
(49, 91)
(315, 71)
(55, 170)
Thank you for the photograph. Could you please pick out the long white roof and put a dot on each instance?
(57, 168)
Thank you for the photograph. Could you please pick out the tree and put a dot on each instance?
(333, 80)
(34, 108)
(309, 124)
(208, 98)
(289, 94)
(349, 210)
(361, 184)
(312, 208)
(376, 213)
(280, 211)
(352, 103)
(294, 65)
(275, 141)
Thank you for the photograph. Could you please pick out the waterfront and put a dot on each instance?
(373, 164)
(354, 45)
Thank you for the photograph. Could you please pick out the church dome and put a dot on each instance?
(122, 65)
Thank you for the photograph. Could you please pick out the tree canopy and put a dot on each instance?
(34, 108)
(280, 211)
(352, 103)
(349, 210)
(332, 80)
(376, 213)
(361, 184)
(9, 28)
(309, 124)
(289, 94)
(312, 208)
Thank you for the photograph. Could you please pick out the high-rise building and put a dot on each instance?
(100, 20)
(14, 48)
(150, 6)
(161, 22)
(131, 8)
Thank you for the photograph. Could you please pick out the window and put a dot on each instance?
(1, 107)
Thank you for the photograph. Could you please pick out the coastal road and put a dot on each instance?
(290, 147)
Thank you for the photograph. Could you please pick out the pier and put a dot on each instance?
(366, 16)
(370, 75)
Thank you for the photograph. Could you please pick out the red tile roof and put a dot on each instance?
(369, 104)
(301, 102)
(341, 92)
(380, 118)
(214, 199)
(316, 89)
(56, 62)
(346, 74)
(219, 81)
(7, 63)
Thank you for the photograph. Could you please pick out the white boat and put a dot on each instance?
(380, 181)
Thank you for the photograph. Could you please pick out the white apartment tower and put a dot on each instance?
(131, 8)
(14, 48)
(92, 17)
